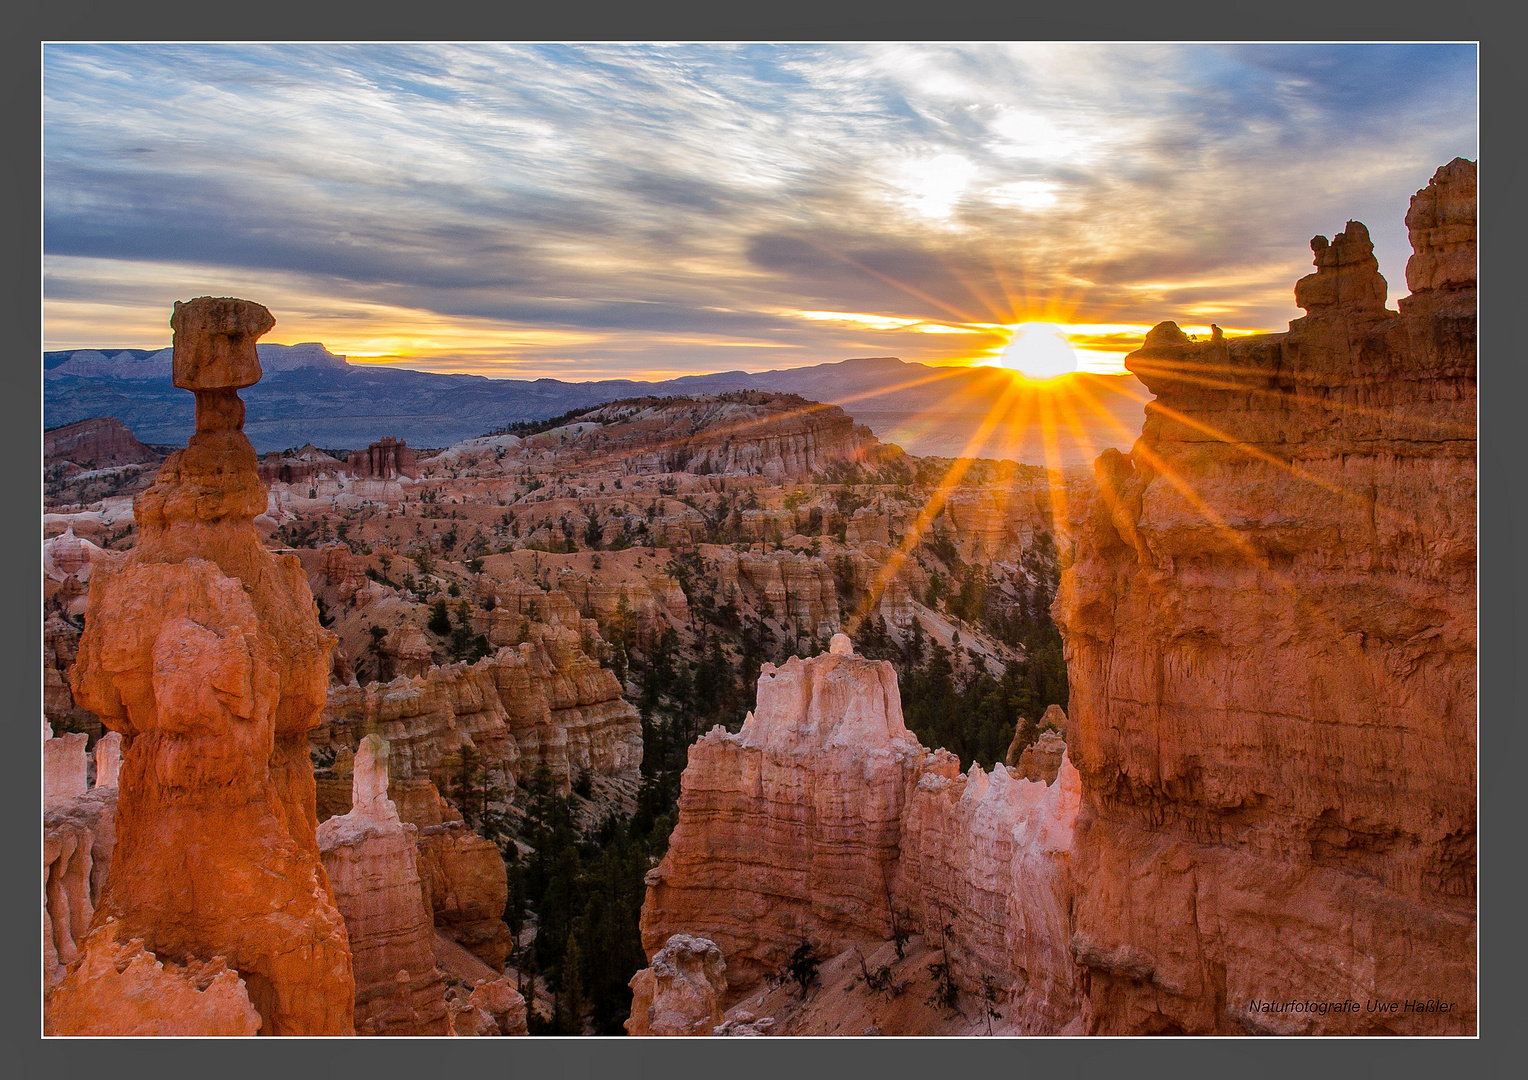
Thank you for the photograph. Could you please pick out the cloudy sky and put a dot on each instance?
(590, 211)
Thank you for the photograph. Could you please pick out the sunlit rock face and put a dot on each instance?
(205, 652)
(1269, 621)
(796, 587)
(824, 819)
(985, 872)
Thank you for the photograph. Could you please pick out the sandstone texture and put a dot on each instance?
(985, 872)
(372, 863)
(204, 651)
(791, 826)
(127, 990)
(480, 1000)
(681, 992)
(466, 886)
(64, 776)
(796, 587)
(304, 466)
(1040, 760)
(824, 821)
(1269, 620)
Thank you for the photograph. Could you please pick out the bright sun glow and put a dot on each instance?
(1039, 351)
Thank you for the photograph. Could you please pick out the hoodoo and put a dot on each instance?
(825, 822)
(205, 652)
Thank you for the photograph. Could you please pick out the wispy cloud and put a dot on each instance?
(604, 208)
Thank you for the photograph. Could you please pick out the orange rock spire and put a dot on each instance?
(205, 652)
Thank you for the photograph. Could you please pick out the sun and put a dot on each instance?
(1039, 351)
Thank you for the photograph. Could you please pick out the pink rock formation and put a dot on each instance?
(372, 863)
(1001, 518)
(646, 604)
(823, 818)
(1042, 759)
(543, 702)
(205, 652)
(303, 467)
(1347, 282)
(108, 760)
(480, 1000)
(60, 640)
(342, 569)
(797, 588)
(1441, 221)
(791, 827)
(1269, 622)
(79, 835)
(68, 903)
(385, 460)
(985, 871)
(681, 992)
(503, 1004)
(753, 434)
(63, 769)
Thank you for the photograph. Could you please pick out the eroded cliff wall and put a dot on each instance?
(1269, 620)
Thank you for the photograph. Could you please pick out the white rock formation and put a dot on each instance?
(681, 992)
(108, 759)
(63, 769)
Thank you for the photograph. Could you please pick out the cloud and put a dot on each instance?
(626, 194)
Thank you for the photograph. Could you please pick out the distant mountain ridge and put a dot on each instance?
(155, 364)
(309, 394)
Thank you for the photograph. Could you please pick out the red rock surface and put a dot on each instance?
(467, 886)
(205, 652)
(79, 836)
(792, 826)
(1270, 633)
(126, 990)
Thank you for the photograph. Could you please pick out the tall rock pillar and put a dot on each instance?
(205, 652)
